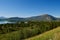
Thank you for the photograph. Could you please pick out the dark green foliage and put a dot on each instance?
(28, 29)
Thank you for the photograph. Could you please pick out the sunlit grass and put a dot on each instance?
(49, 35)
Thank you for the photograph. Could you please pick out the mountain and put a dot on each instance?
(15, 19)
(44, 17)
(2, 17)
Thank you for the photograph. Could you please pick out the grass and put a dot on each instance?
(49, 35)
(16, 35)
(10, 36)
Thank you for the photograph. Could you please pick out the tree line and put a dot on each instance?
(28, 29)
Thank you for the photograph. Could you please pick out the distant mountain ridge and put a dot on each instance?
(2, 17)
(45, 17)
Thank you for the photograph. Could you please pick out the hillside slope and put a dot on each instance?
(50, 35)
(44, 17)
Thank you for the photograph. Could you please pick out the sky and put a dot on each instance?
(28, 8)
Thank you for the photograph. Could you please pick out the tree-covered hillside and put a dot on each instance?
(49, 35)
(22, 30)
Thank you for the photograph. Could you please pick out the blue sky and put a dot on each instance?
(27, 8)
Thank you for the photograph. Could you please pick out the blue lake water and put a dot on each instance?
(4, 22)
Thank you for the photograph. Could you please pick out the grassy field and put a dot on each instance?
(10, 36)
(49, 35)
